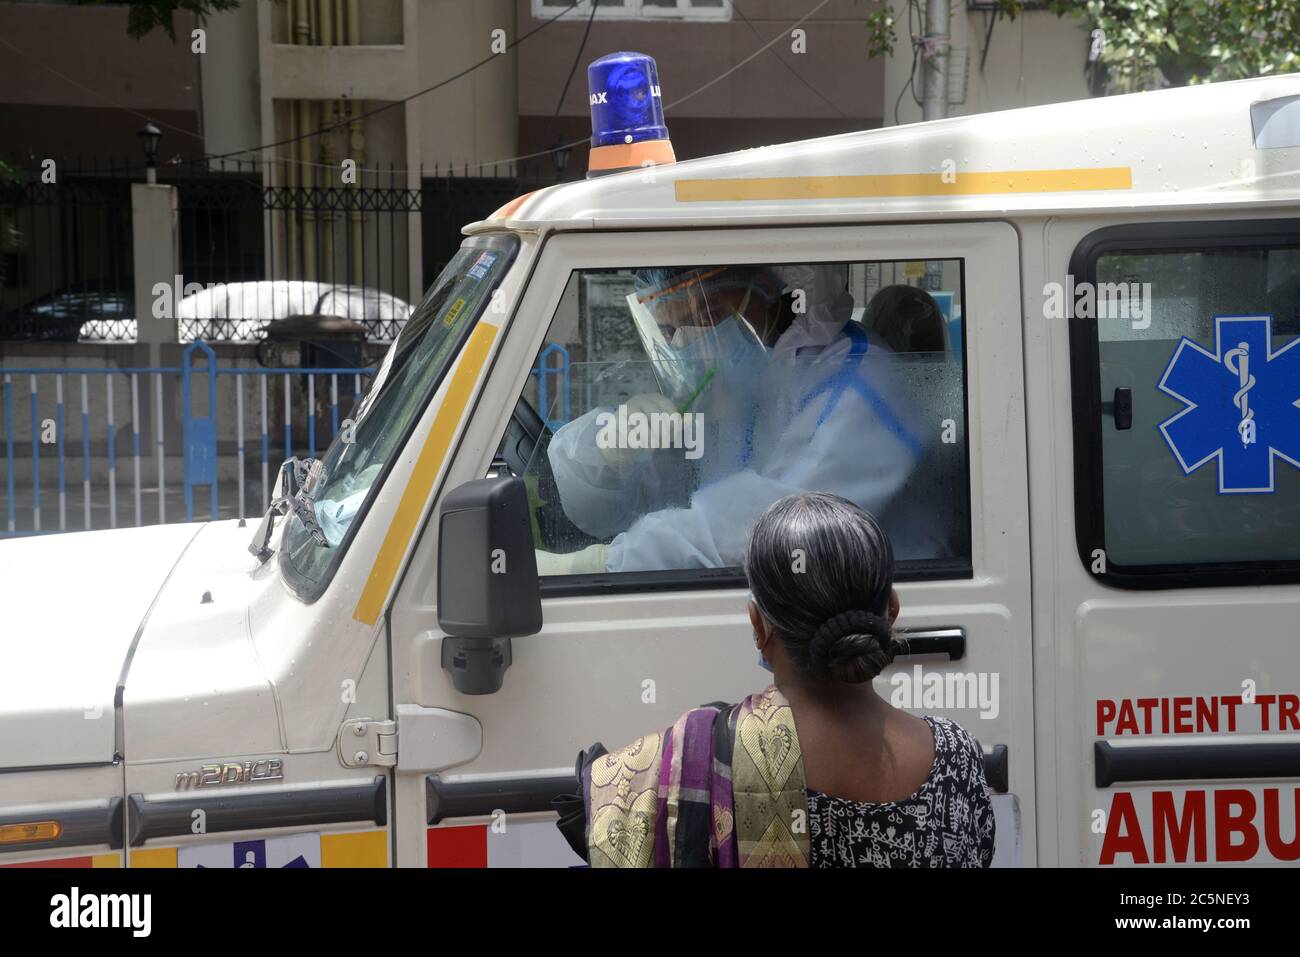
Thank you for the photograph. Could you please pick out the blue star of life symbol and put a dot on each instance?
(1242, 404)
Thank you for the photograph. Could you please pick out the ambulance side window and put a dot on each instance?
(1187, 378)
(669, 406)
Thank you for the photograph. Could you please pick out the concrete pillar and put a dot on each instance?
(155, 243)
(416, 279)
(156, 247)
(414, 223)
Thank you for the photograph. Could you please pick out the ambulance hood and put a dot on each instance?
(72, 607)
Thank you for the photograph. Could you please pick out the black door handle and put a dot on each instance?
(1121, 408)
(933, 641)
(996, 771)
(1194, 762)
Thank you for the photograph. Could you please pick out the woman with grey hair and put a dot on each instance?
(816, 769)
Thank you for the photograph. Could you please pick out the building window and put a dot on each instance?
(634, 9)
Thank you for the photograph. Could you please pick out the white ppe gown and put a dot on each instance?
(785, 423)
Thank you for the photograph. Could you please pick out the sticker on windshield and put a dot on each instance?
(482, 265)
(1242, 404)
(453, 311)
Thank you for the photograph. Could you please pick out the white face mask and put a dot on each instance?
(732, 340)
(685, 360)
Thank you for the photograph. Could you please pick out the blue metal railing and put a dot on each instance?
(203, 436)
(208, 438)
(543, 371)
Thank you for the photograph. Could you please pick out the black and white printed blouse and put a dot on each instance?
(948, 822)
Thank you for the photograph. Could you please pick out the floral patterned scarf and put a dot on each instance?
(723, 787)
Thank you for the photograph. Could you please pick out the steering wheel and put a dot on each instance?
(523, 451)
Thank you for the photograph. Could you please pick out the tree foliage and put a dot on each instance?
(146, 15)
(1145, 44)
(1190, 41)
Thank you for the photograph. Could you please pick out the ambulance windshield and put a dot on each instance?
(410, 373)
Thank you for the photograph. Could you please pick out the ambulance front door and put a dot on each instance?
(644, 609)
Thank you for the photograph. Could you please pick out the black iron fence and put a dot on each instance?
(219, 214)
(455, 197)
(353, 241)
(65, 251)
(254, 249)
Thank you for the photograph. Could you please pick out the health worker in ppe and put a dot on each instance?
(787, 399)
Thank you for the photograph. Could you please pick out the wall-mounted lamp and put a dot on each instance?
(149, 137)
(560, 154)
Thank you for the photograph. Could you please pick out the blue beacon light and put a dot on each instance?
(627, 115)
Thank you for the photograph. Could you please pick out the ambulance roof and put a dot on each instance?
(1187, 147)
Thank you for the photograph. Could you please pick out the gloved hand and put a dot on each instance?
(586, 561)
(643, 403)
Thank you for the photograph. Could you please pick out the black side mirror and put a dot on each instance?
(487, 580)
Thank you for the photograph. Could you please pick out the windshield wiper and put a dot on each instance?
(290, 495)
(306, 512)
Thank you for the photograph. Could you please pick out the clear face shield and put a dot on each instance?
(692, 324)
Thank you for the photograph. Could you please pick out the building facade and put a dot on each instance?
(364, 134)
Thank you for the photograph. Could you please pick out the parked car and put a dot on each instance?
(239, 311)
(89, 309)
(242, 310)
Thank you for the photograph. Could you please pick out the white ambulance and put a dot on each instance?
(1100, 558)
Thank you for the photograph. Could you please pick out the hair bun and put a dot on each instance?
(853, 646)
